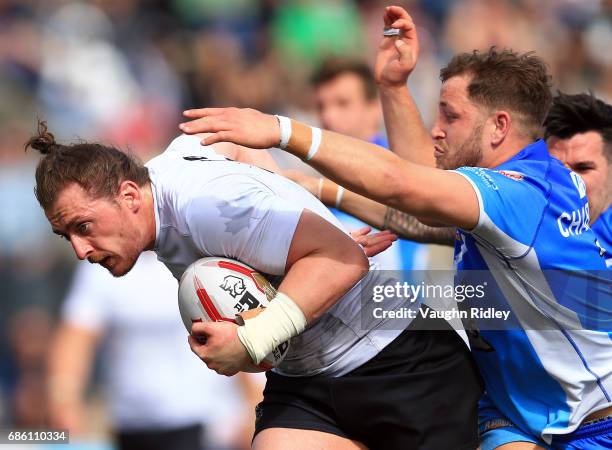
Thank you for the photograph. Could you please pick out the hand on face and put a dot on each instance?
(247, 127)
(217, 344)
(397, 55)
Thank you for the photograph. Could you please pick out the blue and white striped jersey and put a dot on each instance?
(554, 366)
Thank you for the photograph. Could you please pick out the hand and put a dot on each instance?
(247, 127)
(222, 351)
(397, 55)
(373, 244)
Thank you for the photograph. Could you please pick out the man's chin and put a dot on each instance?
(120, 269)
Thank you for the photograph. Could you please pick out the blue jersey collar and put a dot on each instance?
(537, 151)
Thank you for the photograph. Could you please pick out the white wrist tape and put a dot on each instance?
(285, 130)
(315, 143)
(339, 195)
(279, 322)
(320, 188)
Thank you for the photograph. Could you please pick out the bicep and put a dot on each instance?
(323, 264)
(316, 236)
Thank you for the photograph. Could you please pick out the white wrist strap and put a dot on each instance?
(315, 143)
(320, 188)
(285, 130)
(278, 323)
(339, 195)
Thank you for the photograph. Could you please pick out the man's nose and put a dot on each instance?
(436, 132)
(81, 247)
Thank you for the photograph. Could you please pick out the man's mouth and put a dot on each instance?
(438, 152)
(102, 261)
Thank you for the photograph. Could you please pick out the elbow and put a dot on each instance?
(401, 192)
(358, 263)
(406, 192)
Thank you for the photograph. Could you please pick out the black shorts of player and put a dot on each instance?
(420, 392)
(184, 438)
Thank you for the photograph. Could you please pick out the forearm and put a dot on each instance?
(369, 211)
(356, 205)
(408, 137)
(362, 167)
(366, 169)
(409, 227)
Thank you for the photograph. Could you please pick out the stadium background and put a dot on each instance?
(122, 70)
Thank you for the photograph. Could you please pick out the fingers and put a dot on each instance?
(201, 328)
(360, 232)
(203, 112)
(373, 250)
(220, 136)
(381, 237)
(404, 25)
(205, 125)
(397, 12)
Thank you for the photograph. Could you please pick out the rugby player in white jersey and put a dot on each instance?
(351, 379)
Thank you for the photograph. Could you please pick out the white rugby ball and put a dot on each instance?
(218, 289)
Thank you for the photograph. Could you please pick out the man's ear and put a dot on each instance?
(500, 127)
(130, 195)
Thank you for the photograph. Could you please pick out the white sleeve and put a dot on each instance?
(86, 305)
(246, 221)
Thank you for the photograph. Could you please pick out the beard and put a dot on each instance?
(468, 154)
(120, 266)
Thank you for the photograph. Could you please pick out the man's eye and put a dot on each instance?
(82, 228)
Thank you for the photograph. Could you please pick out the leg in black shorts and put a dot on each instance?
(420, 392)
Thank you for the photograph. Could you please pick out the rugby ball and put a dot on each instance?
(221, 289)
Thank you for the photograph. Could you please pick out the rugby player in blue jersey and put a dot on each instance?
(578, 131)
(519, 212)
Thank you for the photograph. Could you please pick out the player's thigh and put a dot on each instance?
(295, 439)
(520, 446)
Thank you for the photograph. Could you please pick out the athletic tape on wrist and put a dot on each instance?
(320, 188)
(339, 195)
(315, 143)
(278, 323)
(285, 130)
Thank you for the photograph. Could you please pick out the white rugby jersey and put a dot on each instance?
(207, 205)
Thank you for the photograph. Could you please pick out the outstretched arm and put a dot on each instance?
(373, 213)
(396, 59)
(439, 196)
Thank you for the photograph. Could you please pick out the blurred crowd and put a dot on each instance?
(121, 71)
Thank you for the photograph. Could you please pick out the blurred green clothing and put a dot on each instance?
(305, 32)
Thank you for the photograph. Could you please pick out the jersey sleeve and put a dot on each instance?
(511, 209)
(246, 221)
(86, 305)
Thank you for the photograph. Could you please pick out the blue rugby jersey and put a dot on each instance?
(603, 230)
(553, 368)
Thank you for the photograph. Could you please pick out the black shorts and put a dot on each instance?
(184, 438)
(420, 392)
